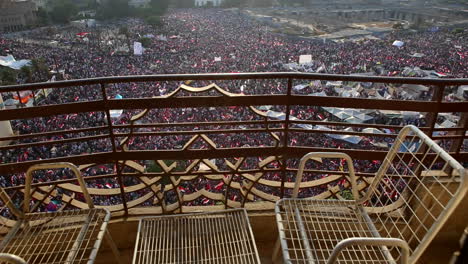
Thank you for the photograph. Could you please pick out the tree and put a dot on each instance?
(159, 7)
(62, 11)
(26, 73)
(457, 30)
(154, 21)
(124, 31)
(114, 9)
(43, 17)
(7, 76)
(145, 42)
(184, 3)
(231, 3)
(40, 69)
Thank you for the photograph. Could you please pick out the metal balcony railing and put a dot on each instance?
(223, 140)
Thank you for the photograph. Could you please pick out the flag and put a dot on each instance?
(219, 186)
(342, 163)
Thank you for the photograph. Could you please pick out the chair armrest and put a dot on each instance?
(10, 258)
(58, 165)
(369, 241)
(318, 155)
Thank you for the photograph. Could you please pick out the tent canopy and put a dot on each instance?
(398, 43)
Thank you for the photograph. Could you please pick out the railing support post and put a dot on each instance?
(432, 116)
(118, 169)
(286, 137)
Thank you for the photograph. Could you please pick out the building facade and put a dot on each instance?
(201, 3)
(16, 15)
(139, 3)
(40, 3)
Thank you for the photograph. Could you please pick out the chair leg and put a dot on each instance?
(113, 247)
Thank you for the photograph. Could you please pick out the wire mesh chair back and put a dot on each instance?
(64, 236)
(415, 190)
(48, 166)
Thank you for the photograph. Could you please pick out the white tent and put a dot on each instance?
(462, 92)
(349, 115)
(417, 55)
(353, 120)
(446, 124)
(346, 138)
(116, 113)
(398, 43)
(372, 130)
(322, 93)
(300, 87)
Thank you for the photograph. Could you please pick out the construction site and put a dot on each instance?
(355, 20)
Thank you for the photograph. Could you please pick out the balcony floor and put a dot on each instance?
(265, 232)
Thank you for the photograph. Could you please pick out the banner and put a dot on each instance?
(137, 48)
(9, 61)
(305, 59)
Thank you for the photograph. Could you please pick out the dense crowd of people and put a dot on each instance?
(211, 41)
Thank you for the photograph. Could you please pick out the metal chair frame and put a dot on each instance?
(385, 231)
(73, 236)
(212, 237)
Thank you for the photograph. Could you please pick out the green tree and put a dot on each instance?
(146, 42)
(7, 76)
(458, 30)
(26, 73)
(114, 9)
(43, 17)
(184, 3)
(124, 31)
(40, 69)
(62, 11)
(159, 7)
(154, 21)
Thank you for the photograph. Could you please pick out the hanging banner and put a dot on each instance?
(137, 48)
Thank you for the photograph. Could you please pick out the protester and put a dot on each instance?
(203, 41)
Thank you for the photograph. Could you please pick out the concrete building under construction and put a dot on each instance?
(16, 15)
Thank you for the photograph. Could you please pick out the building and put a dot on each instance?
(16, 15)
(138, 3)
(200, 3)
(40, 3)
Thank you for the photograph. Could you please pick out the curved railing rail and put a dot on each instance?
(205, 142)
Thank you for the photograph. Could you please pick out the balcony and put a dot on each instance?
(206, 142)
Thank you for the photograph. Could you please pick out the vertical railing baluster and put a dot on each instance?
(118, 168)
(458, 142)
(286, 137)
(19, 98)
(437, 97)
